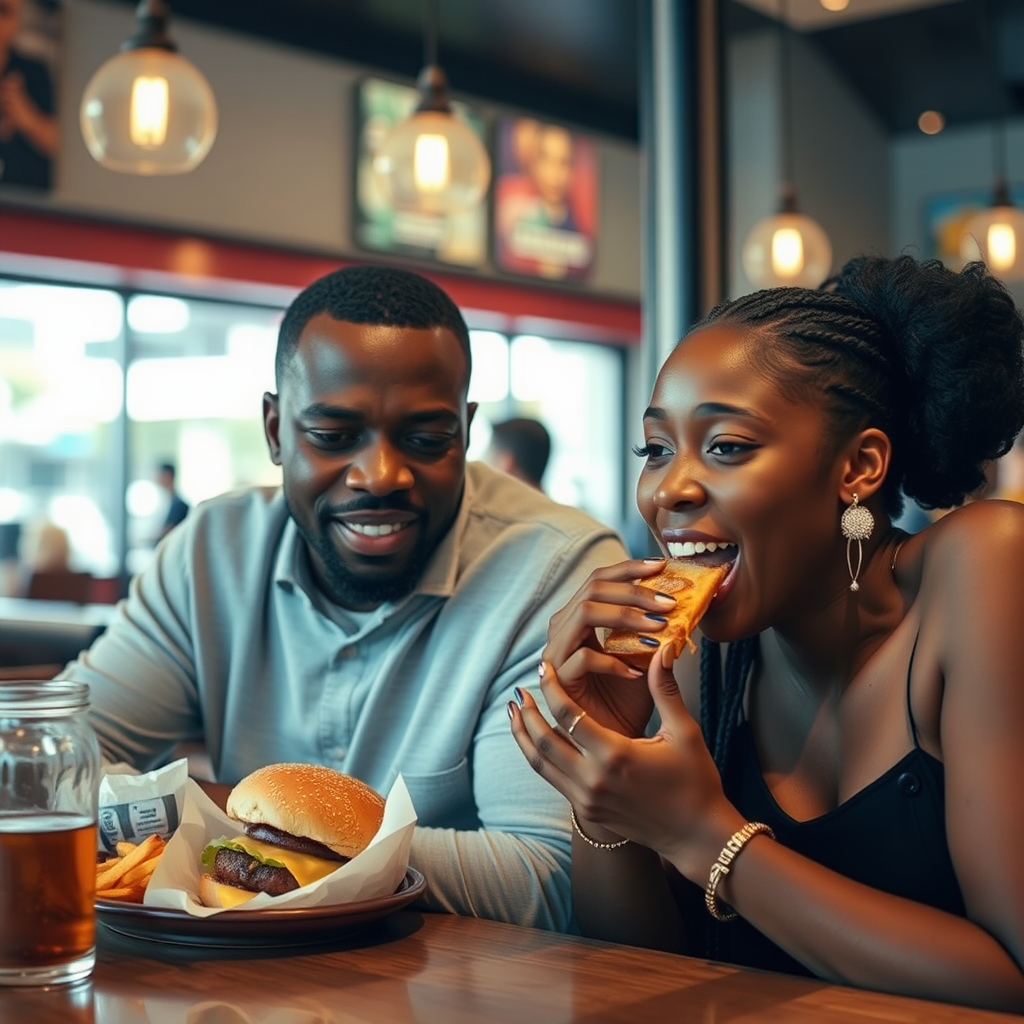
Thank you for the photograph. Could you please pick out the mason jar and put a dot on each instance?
(49, 781)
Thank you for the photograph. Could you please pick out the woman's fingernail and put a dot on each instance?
(655, 558)
(655, 617)
(664, 598)
(511, 709)
(519, 695)
(650, 641)
(541, 669)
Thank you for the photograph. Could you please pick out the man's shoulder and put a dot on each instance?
(243, 513)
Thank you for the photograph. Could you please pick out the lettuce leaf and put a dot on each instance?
(209, 854)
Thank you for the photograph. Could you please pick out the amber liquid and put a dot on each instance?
(47, 891)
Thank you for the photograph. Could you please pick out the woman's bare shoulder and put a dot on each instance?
(989, 533)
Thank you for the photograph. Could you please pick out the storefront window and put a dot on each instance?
(61, 392)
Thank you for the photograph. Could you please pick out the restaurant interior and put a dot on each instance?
(139, 304)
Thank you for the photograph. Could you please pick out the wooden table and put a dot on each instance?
(435, 969)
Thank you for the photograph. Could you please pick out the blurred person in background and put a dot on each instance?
(177, 507)
(520, 447)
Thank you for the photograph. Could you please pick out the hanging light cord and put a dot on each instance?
(431, 34)
(785, 87)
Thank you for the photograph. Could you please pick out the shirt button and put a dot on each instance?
(909, 783)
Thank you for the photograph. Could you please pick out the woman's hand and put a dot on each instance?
(663, 792)
(613, 693)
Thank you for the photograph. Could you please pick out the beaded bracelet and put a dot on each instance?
(720, 868)
(592, 842)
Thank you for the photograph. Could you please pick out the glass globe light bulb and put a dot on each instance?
(148, 110)
(432, 162)
(787, 249)
(996, 236)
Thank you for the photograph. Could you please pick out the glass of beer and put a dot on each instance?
(49, 780)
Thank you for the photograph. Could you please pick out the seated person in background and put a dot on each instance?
(520, 447)
(375, 613)
(857, 765)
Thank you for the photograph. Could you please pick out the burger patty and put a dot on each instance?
(247, 872)
(297, 844)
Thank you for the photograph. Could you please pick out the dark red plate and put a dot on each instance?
(255, 928)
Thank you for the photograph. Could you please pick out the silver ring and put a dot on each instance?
(576, 721)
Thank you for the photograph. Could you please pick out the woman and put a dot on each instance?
(867, 724)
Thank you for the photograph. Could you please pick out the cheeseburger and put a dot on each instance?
(300, 823)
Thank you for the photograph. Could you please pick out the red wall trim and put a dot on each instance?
(130, 251)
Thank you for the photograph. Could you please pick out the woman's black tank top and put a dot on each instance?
(891, 835)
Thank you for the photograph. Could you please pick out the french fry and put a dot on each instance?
(132, 894)
(130, 872)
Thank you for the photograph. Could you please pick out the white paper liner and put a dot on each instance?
(374, 873)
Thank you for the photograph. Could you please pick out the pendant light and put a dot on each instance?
(788, 248)
(996, 235)
(147, 110)
(432, 162)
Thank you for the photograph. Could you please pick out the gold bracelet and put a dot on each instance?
(721, 867)
(592, 842)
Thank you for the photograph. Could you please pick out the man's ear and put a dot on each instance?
(272, 425)
(868, 456)
(471, 409)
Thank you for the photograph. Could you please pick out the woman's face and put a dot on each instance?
(731, 462)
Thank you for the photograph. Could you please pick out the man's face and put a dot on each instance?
(370, 429)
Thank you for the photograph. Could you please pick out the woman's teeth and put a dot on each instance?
(690, 548)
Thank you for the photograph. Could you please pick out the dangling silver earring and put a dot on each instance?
(856, 525)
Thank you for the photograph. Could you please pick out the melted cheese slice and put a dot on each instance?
(304, 867)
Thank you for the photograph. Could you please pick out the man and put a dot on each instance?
(520, 447)
(375, 613)
(177, 507)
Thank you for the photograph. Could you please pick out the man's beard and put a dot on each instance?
(350, 589)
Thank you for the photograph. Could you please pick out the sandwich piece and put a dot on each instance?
(300, 823)
(693, 585)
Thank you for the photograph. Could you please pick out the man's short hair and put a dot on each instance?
(383, 296)
(168, 468)
(527, 441)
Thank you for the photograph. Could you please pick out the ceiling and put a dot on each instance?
(577, 60)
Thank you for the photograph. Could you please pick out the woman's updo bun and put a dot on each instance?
(960, 341)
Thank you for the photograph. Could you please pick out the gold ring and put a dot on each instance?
(576, 721)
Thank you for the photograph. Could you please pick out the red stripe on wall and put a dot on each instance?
(132, 252)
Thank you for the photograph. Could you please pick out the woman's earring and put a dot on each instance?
(856, 524)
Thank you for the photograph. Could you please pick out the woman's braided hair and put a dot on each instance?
(931, 356)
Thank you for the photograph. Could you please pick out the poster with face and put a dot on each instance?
(29, 133)
(545, 200)
(459, 238)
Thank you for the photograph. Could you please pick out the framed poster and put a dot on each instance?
(456, 238)
(29, 132)
(545, 200)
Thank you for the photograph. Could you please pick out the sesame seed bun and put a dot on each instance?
(311, 801)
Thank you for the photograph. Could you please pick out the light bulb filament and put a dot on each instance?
(148, 117)
(431, 163)
(787, 252)
(1002, 246)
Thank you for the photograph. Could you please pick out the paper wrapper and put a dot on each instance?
(374, 873)
(133, 805)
